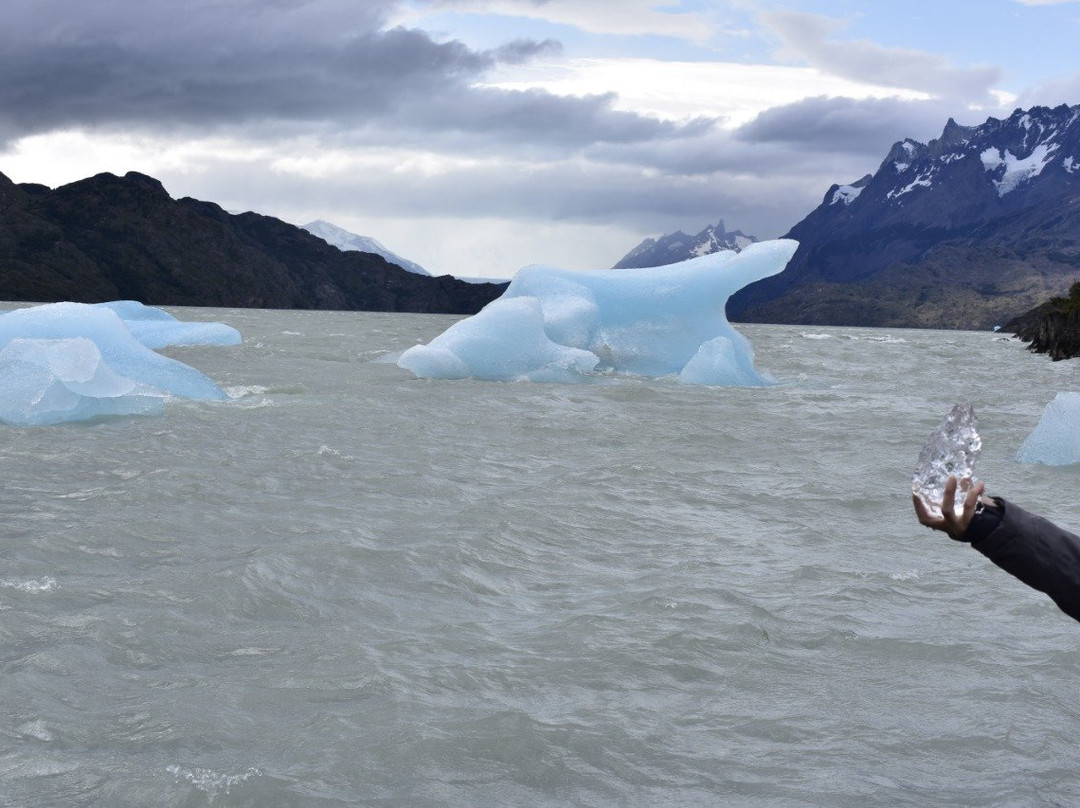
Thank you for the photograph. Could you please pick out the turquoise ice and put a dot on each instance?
(557, 325)
(72, 361)
(1055, 441)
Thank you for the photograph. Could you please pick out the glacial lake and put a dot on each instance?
(349, 586)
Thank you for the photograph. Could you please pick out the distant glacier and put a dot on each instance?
(345, 241)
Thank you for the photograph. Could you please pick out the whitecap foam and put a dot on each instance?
(35, 729)
(209, 781)
(245, 390)
(31, 586)
(910, 575)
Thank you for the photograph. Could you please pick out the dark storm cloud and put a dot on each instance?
(574, 191)
(155, 65)
(524, 117)
(847, 125)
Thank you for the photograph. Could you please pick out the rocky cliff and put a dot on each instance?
(1052, 328)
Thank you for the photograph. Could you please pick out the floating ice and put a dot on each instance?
(563, 325)
(951, 451)
(1055, 441)
(48, 381)
(155, 328)
(71, 361)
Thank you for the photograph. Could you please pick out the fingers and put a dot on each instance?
(951, 522)
(922, 512)
(926, 518)
(948, 499)
(970, 502)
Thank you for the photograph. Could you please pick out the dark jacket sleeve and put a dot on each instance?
(1038, 552)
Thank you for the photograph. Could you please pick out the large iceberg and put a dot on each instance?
(1055, 441)
(568, 326)
(72, 361)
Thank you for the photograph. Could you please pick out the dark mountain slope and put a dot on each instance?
(966, 231)
(108, 238)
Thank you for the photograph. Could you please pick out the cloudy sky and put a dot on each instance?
(477, 136)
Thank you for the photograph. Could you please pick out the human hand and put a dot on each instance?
(949, 522)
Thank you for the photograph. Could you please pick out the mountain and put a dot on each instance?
(345, 241)
(678, 246)
(966, 231)
(110, 238)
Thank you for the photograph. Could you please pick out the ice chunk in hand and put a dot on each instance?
(950, 452)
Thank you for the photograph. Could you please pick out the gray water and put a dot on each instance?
(353, 587)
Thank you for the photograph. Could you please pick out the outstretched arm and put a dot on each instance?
(1031, 548)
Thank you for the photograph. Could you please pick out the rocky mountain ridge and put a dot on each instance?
(678, 246)
(966, 231)
(110, 238)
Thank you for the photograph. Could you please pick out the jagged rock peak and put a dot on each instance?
(958, 233)
(678, 246)
(954, 133)
(903, 153)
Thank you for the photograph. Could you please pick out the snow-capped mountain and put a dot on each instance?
(345, 241)
(965, 231)
(678, 246)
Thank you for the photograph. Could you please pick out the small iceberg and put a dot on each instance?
(63, 362)
(1055, 441)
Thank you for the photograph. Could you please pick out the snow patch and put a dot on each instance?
(924, 180)
(350, 242)
(845, 194)
(1015, 170)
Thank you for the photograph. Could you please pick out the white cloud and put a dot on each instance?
(731, 91)
(808, 37)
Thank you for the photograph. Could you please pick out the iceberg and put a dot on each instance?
(558, 325)
(64, 362)
(156, 329)
(1055, 441)
(49, 381)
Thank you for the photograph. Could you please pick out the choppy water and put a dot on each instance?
(353, 587)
